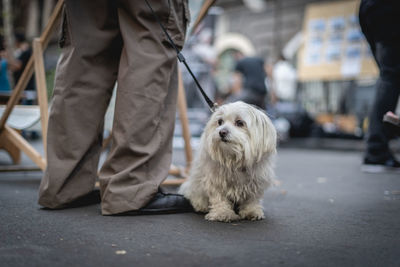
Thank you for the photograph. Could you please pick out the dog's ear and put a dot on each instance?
(266, 134)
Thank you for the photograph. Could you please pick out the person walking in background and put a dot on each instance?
(115, 41)
(17, 62)
(284, 81)
(22, 55)
(4, 81)
(249, 81)
(204, 55)
(379, 22)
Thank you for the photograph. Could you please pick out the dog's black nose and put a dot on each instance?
(223, 133)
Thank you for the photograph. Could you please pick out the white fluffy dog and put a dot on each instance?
(233, 166)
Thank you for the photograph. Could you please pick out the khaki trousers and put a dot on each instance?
(102, 42)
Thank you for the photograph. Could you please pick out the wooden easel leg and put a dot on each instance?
(202, 13)
(12, 136)
(11, 148)
(41, 86)
(182, 111)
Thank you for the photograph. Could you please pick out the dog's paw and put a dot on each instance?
(222, 216)
(200, 205)
(252, 214)
(201, 209)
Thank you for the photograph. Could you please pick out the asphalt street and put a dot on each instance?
(325, 212)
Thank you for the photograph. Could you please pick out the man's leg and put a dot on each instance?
(85, 77)
(384, 42)
(144, 119)
(387, 95)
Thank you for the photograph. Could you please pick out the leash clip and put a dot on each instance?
(214, 107)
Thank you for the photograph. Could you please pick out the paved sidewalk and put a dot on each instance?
(324, 213)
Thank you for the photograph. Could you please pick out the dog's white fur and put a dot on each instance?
(232, 172)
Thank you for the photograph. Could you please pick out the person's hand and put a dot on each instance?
(392, 115)
(236, 83)
(392, 122)
(273, 97)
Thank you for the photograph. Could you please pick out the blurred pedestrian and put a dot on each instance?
(115, 40)
(4, 81)
(290, 117)
(284, 81)
(379, 22)
(204, 55)
(249, 81)
(22, 55)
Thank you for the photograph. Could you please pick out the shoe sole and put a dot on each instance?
(379, 169)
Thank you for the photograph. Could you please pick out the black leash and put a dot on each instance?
(182, 59)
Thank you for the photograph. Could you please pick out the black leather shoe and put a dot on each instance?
(389, 165)
(163, 203)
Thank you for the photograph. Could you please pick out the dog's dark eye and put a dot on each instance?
(239, 123)
(220, 121)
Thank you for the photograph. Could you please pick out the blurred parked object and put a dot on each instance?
(339, 125)
(298, 119)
